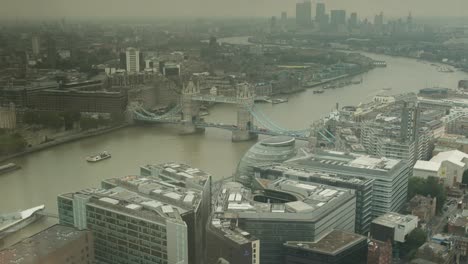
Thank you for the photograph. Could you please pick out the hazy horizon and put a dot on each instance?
(222, 8)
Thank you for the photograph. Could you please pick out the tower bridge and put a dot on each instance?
(250, 120)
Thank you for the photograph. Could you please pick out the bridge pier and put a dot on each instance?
(245, 98)
(243, 135)
(187, 128)
(190, 110)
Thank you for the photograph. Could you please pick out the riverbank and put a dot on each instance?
(63, 140)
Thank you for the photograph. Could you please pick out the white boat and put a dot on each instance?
(279, 101)
(8, 167)
(101, 156)
(12, 222)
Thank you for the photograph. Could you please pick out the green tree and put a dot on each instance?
(50, 120)
(414, 240)
(11, 143)
(465, 177)
(69, 118)
(87, 123)
(429, 186)
(117, 118)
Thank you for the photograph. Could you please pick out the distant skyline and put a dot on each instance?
(222, 8)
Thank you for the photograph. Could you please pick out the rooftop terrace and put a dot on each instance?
(333, 243)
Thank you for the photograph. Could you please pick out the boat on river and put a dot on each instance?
(279, 101)
(319, 91)
(101, 156)
(12, 222)
(329, 86)
(8, 167)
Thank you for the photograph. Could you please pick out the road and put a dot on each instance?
(437, 224)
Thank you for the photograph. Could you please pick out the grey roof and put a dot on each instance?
(333, 243)
(41, 244)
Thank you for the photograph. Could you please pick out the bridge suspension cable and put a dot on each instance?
(261, 118)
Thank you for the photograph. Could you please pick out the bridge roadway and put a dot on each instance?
(255, 130)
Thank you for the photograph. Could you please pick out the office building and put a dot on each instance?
(156, 218)
(267, 213)
(378, 21)
(390, 176)
(123, 60)
(51, 52)
(171, 69)
(304, 13)
(393, 227)
(337, 247)
(353, 20)
(447, 166)
(36, 45)
(397, 134)
(80, 101)
(132, 58)
(267, 151)
(55, 245)
(127, 227)
(227, 241)
(431, 252)
(284, 16)
(448, 142)
(423, 207)
(319, 12)
(379, 252)
(321, 18)
(193, 181)
(337, 17)
(361, 186)
(21, 94)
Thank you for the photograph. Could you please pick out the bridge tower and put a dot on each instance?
(245, 95)
(190, 109)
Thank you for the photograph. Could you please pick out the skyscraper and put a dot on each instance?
(378, 21)
(338, 17)
(319, 11)
(133, 60)
(321, 18)
(304, 13)
(284, 16)
(36, 45)
(353, 20)
(51, 52)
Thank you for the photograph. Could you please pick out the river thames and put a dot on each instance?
(62, 169)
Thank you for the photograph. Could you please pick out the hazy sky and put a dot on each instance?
(204, 8)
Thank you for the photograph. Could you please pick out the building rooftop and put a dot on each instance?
(131, 203)
(454, 156)
(278, 141)
(306, 201)
(290, 169)
(393, 219)
(185, 198)
(333, 243)
(427, 165)
(177, 174)
(40, 244)
(346, 161)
